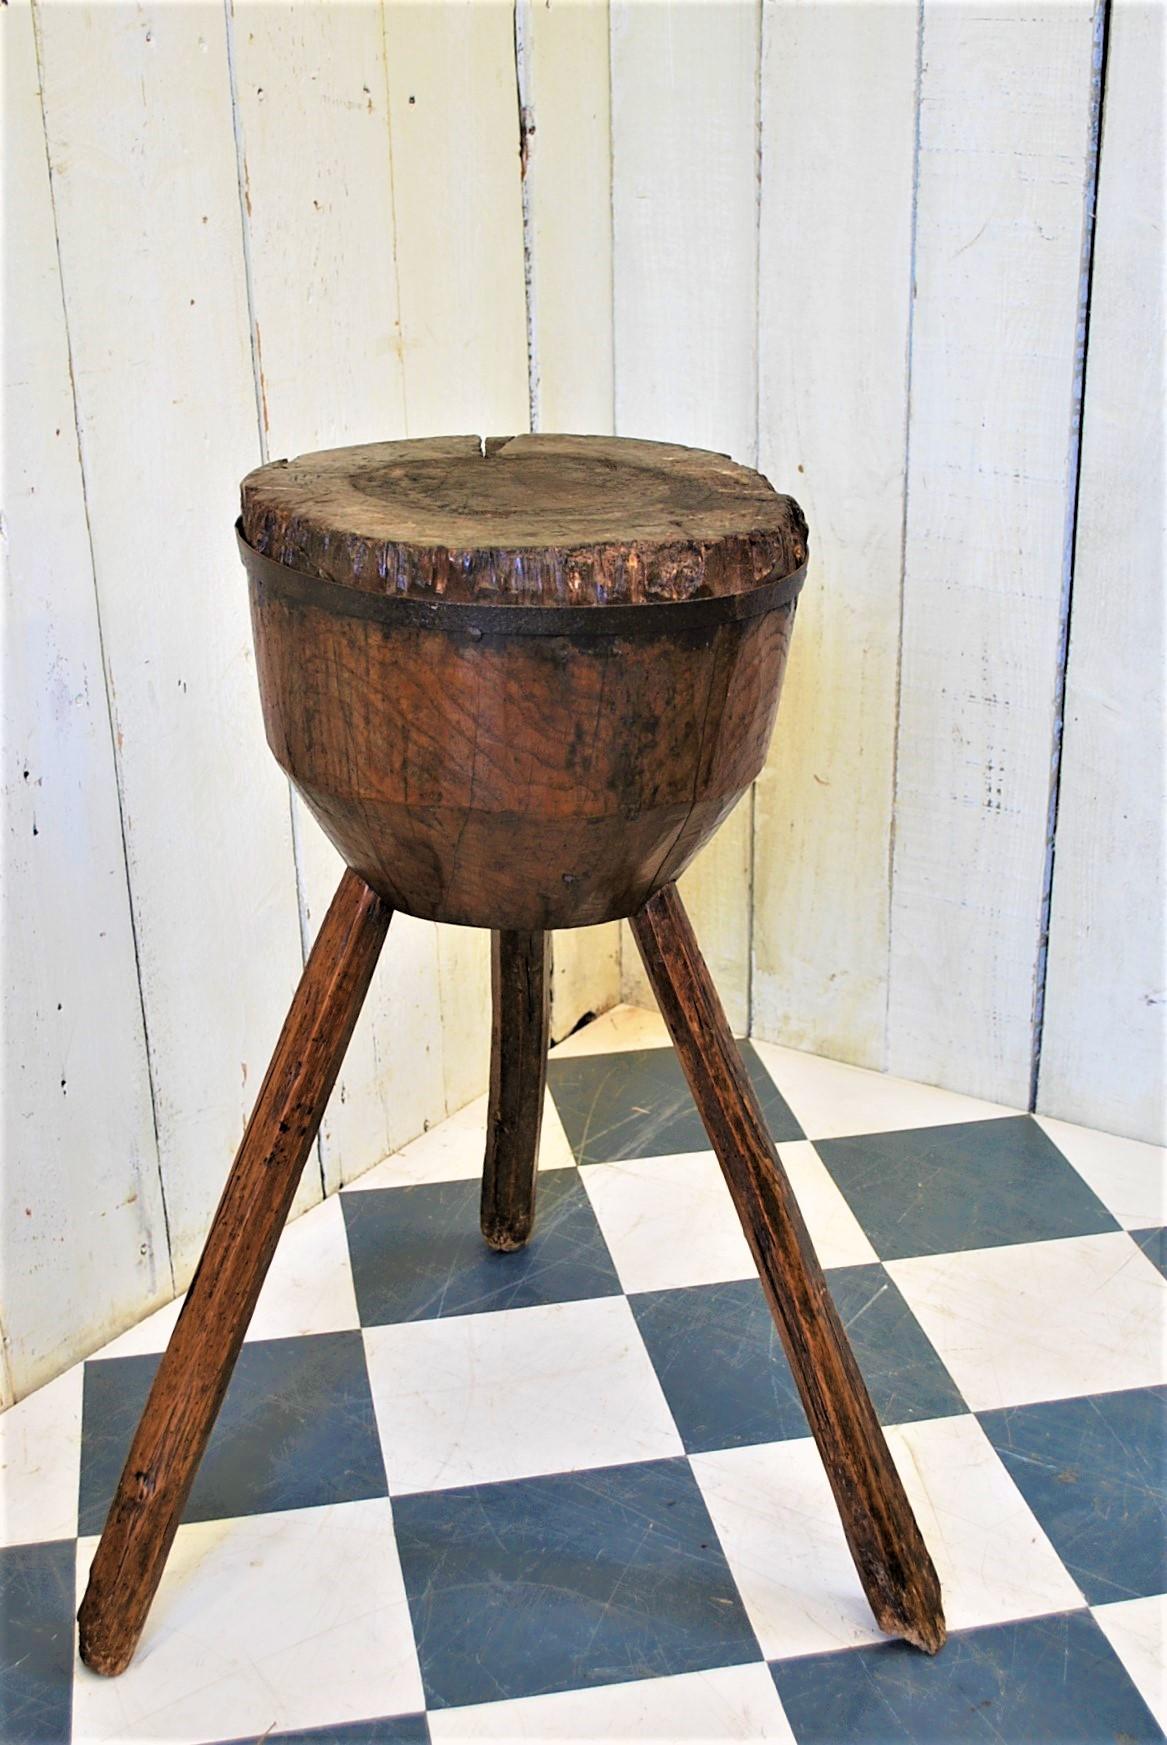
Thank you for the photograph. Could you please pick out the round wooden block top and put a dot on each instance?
(537, 520)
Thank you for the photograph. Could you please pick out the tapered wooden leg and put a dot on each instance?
(520, 973)
(890, 1555)
(192, 1378)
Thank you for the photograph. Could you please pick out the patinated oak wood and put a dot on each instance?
(196, 1368)
(894, 1566)
(528, 520)
(520, 977)
(520, 685)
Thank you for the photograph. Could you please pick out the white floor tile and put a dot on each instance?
(839, 1238)
(991, 1553)
(267, 1622)
(668, 1221)
(308, 1290)
(832, 1100)
(1129, 1178)
(774, 1514)
(622, 1027)
(452, 1151)
(40, 1458)
(778, 1525)
(1042, 1320)
(310, 1286)
(1137, 1631)
(693, 1708)
(478, 1398)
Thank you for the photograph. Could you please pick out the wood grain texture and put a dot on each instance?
(834, 289)
(192, 1378)
(312, 118)
(1005, 138)
(520, 765)
(684, 267)
(544, 520)
(893, 1563)
(520, 969)
(138, 114)
(1103, 1043)
(80, 1156)
(536, 781)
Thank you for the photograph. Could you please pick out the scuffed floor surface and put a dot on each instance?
(569, 1494)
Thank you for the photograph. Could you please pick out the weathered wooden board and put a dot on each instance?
(562, 48)
(563, 66)
(453, 105)
(834, 289)
(1005, 145)
(138, 114)
(312, 121)
(85, 1233)
(684, 261)
(1103, 1042)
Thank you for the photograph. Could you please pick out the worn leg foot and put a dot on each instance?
(192, 1378)
(520, 969)
(890, 1555)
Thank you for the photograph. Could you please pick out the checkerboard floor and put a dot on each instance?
(569, 1494)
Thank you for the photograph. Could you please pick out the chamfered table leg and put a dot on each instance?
(193, 1375)
(520, 973)
(893, 1562)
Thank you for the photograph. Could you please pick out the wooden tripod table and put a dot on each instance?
(519, 683)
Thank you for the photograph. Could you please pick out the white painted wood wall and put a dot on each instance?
(850, 243)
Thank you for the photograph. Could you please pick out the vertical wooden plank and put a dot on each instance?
(1005, 140)
(85, 1234)
(137, 105)
(834, 299)
(684, 252)
(1103, 1043)
(563, 61)
(453, 106)
(562, 48)
(312, 119)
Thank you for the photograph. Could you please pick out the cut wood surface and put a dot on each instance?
(547, 520)
(194, 1372)
(897, 1573)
